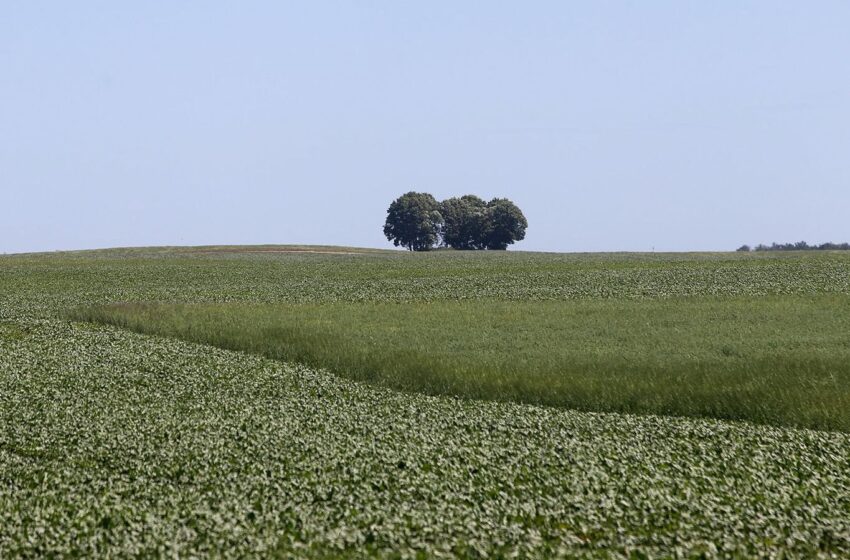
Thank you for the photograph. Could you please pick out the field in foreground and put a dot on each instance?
(119, 443)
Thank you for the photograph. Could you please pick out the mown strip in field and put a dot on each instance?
(781, 360)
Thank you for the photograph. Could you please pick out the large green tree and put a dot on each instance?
(506, 224)
(465, 222)
(414, 221)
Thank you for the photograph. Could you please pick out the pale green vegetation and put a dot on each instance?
(115, 443)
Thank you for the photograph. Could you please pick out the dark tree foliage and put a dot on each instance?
(834, 247)
(466, 221)
(418, 222)
(803, 246)
(506, 224)
(414, 221)
(744, 249)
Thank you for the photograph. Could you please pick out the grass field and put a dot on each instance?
(775, 359)
(120, 443)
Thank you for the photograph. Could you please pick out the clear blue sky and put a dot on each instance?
(680, 125)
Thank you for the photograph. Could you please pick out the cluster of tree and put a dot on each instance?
(798, 246)
(418, 222)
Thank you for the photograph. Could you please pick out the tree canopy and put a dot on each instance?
(419, 223)
(414, 221)
(466, 222)
(506, 224)
(798, 246)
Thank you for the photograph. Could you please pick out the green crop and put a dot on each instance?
(775, 359)
(114, 443)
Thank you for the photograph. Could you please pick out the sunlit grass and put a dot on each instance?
(123, 445)
(778, 360)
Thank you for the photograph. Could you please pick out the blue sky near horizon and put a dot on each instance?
(666, 125)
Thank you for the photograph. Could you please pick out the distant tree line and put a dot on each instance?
(798, 246)
(418, 222)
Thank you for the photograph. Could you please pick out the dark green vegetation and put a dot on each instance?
(798, 246)
(777, 359)
(116, 443)
(418, 222)
(414, 221)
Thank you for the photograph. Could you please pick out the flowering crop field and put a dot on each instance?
(118, 443)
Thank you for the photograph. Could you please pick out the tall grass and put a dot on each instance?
(778, 360)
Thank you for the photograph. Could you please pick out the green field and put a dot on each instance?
(120, 443)
(776, 359)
